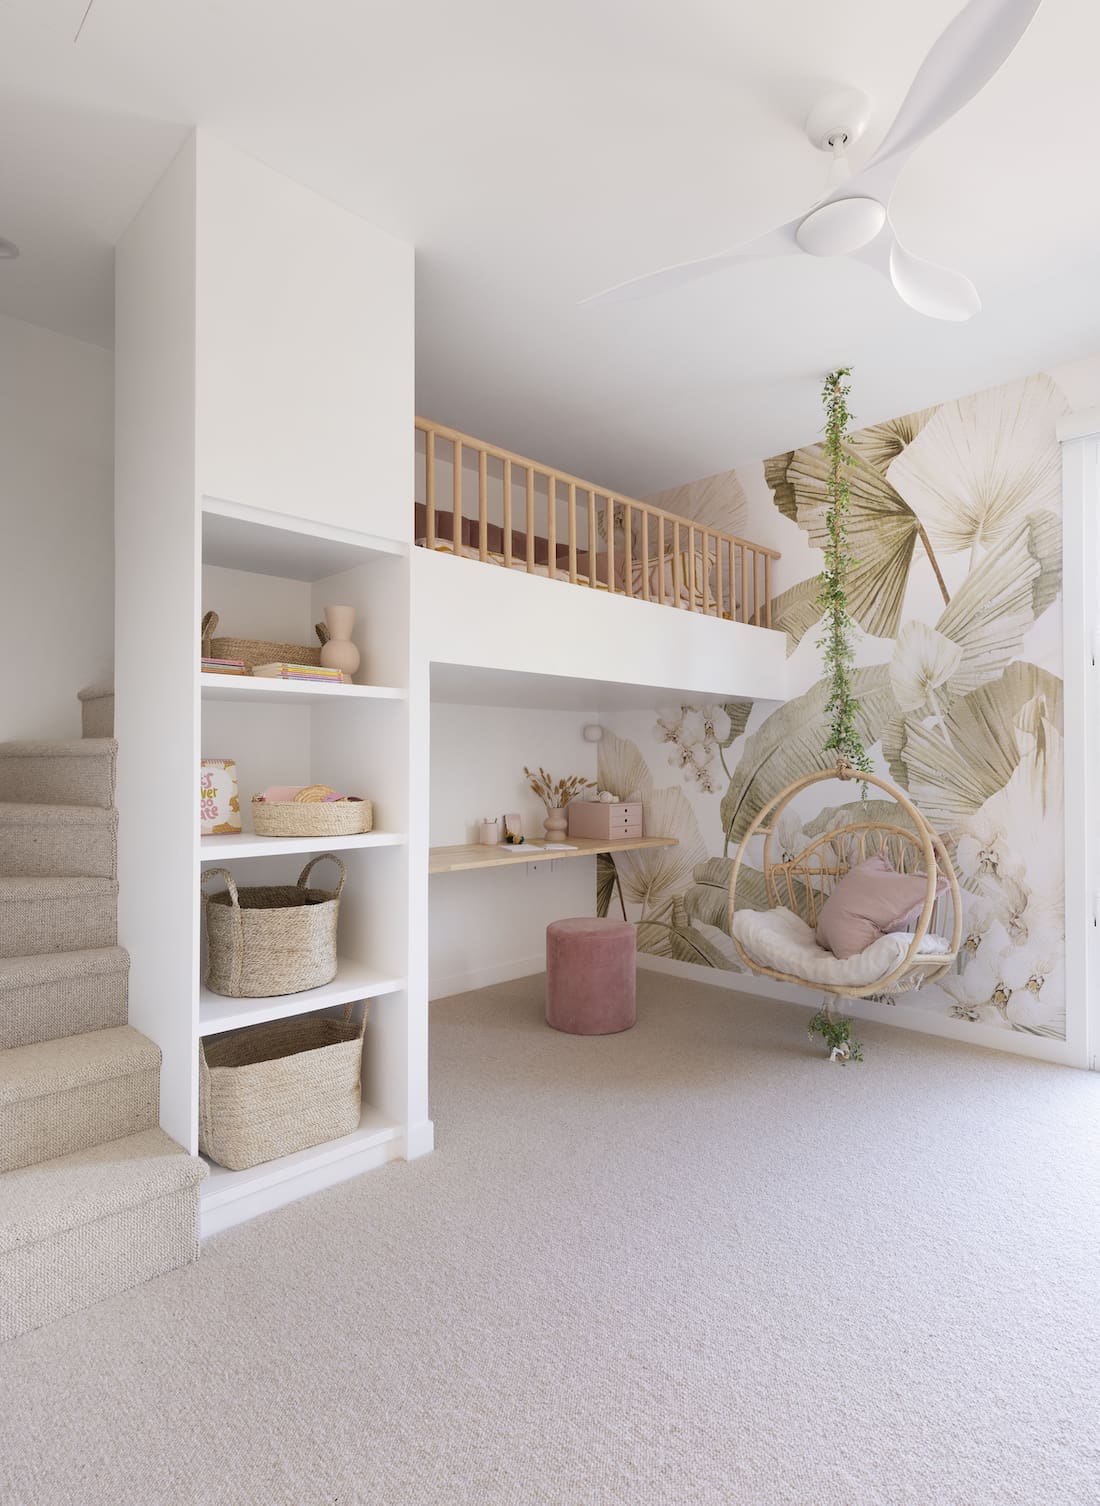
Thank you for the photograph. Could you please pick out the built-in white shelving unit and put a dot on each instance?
(264, 470)
(354, 737)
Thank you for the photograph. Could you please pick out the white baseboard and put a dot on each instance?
(483, 977)
(903, 1016)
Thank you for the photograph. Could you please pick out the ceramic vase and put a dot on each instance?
(340, 652)
(556, 825)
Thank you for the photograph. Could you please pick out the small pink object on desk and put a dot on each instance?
(602, 819)
(590, 965)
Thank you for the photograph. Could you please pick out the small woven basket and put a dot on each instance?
(279, 1087)
(255, 651)
(271, 940)
(297, 818)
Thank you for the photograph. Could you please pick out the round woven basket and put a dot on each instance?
(255, 651)
(271, 940)
(297, 818)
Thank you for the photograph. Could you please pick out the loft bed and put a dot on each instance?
(480, 502)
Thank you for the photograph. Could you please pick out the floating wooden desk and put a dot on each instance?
(474, 855)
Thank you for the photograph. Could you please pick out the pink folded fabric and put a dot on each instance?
(281, 791)
(867, 903)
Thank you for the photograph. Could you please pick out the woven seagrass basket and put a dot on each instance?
(272, 939)
(296, 818)
(279, 1087)
(255, 651)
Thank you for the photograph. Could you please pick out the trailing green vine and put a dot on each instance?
(837, 1035)
(836, 644)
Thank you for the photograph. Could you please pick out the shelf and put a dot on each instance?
(474, 855)
(229, 1197)
(311, 692)
(248, 845)
(239, 537)
(353, 982)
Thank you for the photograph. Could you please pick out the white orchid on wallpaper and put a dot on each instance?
(979, 466)
(697, 736)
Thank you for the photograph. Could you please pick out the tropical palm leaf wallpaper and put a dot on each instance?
(956, 527)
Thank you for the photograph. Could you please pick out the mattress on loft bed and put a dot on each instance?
(494, 542)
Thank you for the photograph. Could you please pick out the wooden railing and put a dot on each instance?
(535, 518)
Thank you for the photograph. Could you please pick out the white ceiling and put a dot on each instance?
(535, 153)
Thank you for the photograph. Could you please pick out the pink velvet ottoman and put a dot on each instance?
(590, 976)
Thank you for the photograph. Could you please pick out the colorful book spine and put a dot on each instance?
(297, 672)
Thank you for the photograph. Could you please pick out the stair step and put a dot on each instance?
(94, 1223)
(97, 711)
(56, 994)
(56, 915)
(61, 1096)
(59, 841)
(59, 773)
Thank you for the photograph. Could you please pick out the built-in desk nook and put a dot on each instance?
(475, 855)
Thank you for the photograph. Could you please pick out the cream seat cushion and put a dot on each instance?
(779, 939)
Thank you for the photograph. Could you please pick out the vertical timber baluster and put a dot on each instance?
(644, 515)
(482, 505)
(609, 524)
(507, 512)
(767, 590)
(456, 506)
(677, 582)
(573, 532)
(530, 541)
(429, 488)
(551, 526)
(628, 549)
(592, 573)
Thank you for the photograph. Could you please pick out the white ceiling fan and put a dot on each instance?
(854, 218)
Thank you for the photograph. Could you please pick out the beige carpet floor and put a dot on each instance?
(692, 1265)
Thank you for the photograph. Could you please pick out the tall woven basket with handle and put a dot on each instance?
(271, 939)
(279, 1087)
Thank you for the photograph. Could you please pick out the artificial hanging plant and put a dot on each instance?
(836, 644)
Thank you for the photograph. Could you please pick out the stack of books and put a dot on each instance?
(224, 667)
(298, 672)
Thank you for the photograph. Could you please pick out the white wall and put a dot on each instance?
(474, 613)
(490, 924)
(57, 503)
(304, 351)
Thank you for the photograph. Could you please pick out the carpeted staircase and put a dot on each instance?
(94, 1197)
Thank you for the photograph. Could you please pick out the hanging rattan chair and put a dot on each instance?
(779, 942)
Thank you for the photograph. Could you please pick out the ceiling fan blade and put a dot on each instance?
(779, 242)
(926, 287)
(962, 61)
(938, 292)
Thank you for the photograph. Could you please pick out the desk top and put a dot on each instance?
(475, 855)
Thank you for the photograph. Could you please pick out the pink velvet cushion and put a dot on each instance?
(867, 903)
